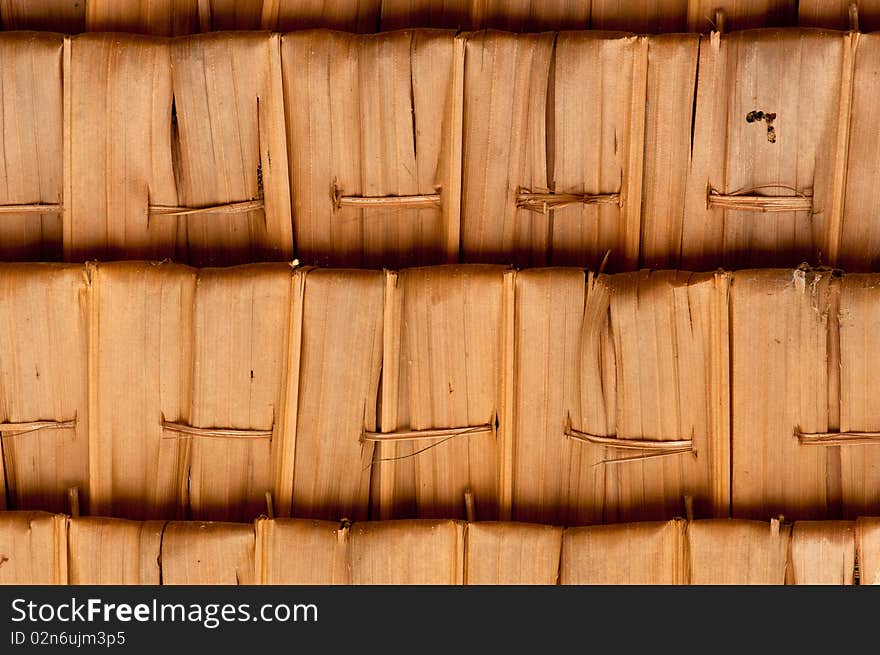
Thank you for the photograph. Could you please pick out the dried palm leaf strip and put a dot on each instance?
(730, 551)
(240, 329)
(670, 94)
(118, 156)
(407, 552)
(441, 390)
(46, 15)
(512, 553)
(868, 550)
(853, 329)
(567, 188)
(141, 374)
(301, 552)
(780, 381)
(105, 551)
(859, 238)
(839, 14)
(337, 336)
(654, 393)
(33, 548)
(505, 146)
(373, 150)
(207, 553)
(822, 552)
(766, 167)
(44, 421)
(31, 110)
(156, 17)
(448, 14)
(530, 15)
(229, 146)
(843, 431)
(217, 15)
(639, 15)
(702, 15)
(631, 553)
(361, 16)
(187, 170)
(552, 479)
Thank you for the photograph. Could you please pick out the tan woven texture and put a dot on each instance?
(579, 148)
(171, 17)
(161, 391)
(42, 548)
(460, 292)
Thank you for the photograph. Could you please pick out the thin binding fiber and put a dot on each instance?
(44, 384)
(822, 552)
(729, 551)
(441, 371)
(512, 554)
(31, 146)
(301, 552)
(635, 553)
(372, 174)
(205, 553)
(32, 547)
(105, 551)
(407, 552)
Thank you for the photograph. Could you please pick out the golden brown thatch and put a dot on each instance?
(585, 148)
(166, 407)
(467, 391)
(41, 548)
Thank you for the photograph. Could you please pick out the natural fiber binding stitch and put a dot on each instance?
(748, 200)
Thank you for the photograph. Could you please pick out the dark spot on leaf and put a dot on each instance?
(757, 115)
